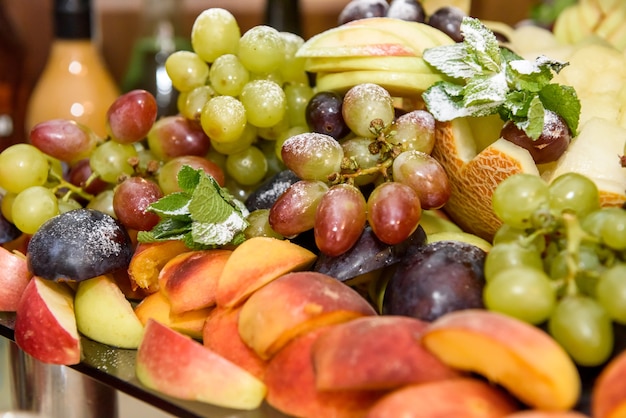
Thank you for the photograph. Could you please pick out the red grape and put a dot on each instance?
(63, 139)
(393, 212)
(312, 156)
(424, 174)
(294, 210)
(175, 136)
(131, 199)
(131, 115)
(339, 219)
(80, 172)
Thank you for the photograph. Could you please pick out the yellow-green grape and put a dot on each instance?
(259, 225)
(293, 69)
(22, 166)
(247, 138)
(190, 103)
(293, 131)
(261, 49)
(611, 292)
(215, 32)
(111, 160)
(186, 70)
(265, 102)
(103, 202)
(32, 207)
(298, 96)
(65, 205)
(271, 133)
(274, 76)
(228, 75)
(247, 167)
(223, 119)
(518, 197)
(7, 206)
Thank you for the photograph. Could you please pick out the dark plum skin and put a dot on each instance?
(438, 278)
(78, 245)
(8, 231)
(264, 196)
(367, 255)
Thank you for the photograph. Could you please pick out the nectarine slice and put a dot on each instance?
(608, 396)
(148, 260)
(517, 355)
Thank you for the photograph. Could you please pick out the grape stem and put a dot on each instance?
(71, 188)
(575, 235)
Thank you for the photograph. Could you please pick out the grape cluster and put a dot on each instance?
(381, 173)
(559, 261)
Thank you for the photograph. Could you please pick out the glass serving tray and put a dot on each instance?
(116, 368)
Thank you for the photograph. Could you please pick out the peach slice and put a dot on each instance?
(375, 352)
(189, 280)
(519, 356)
(103, 313)
(461, 397)
(45, 325)
(256, 262)
(178, 366)
(221, 334)
(608, 396)
(14, 279)
(537, 413)
(148, 260)
(157, 307)
(294, 304)
(291, 389)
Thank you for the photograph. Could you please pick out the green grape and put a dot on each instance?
(274, 76)
(65, 205)
(611, 292)
(586, 263)
(297, 96)
(518, 197)
(357, 149)
(509, 255)
(507, 233)
(274, 164)
(111, 160)
(247, 138)
(584, 329)
(613, 229)
(223, 119)
(259, 226)
(103, 202)
(190, 103)
(364, 103)
(262, 49)
(574, 192)
(592, 223)
(7, 206)
(293, 69)
(22, 166)
(32, 207)
(265, 102)
(525, 293)
(247, 167)
(186, 70)
(271, 133)
(215, 32)
(228, 75)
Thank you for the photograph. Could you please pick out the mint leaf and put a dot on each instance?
(563, 101)
(204, 215)
(533, 123)
(452, 60)
(481, 44)
(482, 90)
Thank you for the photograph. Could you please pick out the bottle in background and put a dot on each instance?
(283, 15)
(160, 35)
(13, 88)
(75, 83)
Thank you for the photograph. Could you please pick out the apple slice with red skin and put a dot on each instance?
(45, 325)
(176, 365)
(13, 280)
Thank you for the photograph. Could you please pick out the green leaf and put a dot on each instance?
(452, 60)
(482, 45)
(188, 178)
(482, 90)
(533, 123)
(516, 105)
(563, 101)
(171, 205)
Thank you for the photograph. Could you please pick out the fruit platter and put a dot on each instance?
(415, 213)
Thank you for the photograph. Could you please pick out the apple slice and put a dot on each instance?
(14, 279)
(375, 352)
(398, 83)
(519, 356)
(256, 262)
(293, 304)
(189, 280)
(45, 325)
(608, 396)
(148, 260)
(461, 397)
(391, 63)
(156, 306)
(103, 313)
(178, 366)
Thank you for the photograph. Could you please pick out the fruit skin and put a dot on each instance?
(537, 413)
(293, 304)
(608, 396)
(189, 280)
(78, 245)
(461, 397)
(256, 262)
(178, 366)
(521, 357)
(435, 279)
(375, 353)
(45, 326)
(290, 380)
(14, 279)
(147, 261)
(103, 313)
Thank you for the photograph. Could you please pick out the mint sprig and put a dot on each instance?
(484, 78)
(203, 215)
